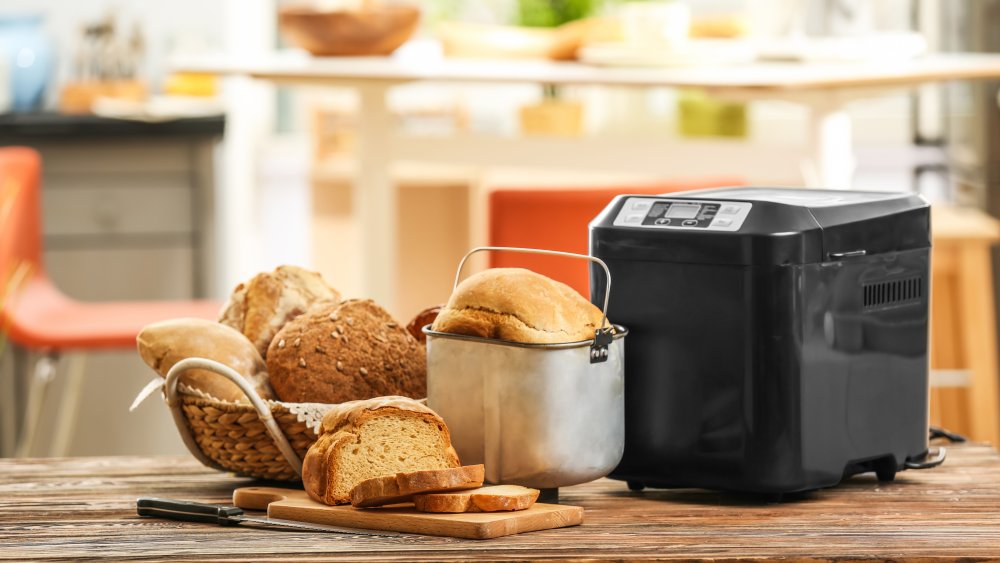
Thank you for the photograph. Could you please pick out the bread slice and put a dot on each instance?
(518, 305)
(401, 487)
(496, 498)
(362, 440)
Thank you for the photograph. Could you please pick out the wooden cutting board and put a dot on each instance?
(293, 504)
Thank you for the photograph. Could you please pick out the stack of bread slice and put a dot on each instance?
(458, 489)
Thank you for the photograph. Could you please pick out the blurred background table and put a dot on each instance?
(825, 89)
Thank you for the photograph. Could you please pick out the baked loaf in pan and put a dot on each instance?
(346, 351)
(362, 440)
(261, 306)
(520, 306)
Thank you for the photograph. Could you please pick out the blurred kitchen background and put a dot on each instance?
(163, 183)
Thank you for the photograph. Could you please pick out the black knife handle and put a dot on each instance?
(188, 511)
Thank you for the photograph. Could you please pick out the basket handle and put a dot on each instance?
(263, 411)
(594, 259)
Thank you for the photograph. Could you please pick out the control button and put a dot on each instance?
(641, 205)
(722, 222)
(662, 221)
(690, 223)
(633, 219)
(729, 210)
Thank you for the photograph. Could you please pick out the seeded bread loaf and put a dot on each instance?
(401, 487)
(261, 306)
(163, 344)
(363, 440)
(498, 498)
(518, 305)
(346, 351)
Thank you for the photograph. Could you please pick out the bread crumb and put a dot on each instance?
(320, 350)
(298, 341)
(364, 371)
(302, 362)
(334, 335)
(340, 365)
(281, 343)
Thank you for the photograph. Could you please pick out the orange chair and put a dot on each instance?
(36, 316)
(557, 219)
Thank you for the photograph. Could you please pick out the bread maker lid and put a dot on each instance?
(774, 226)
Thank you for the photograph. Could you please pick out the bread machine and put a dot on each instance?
(778, 336)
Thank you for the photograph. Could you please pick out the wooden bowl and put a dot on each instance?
(373, 30)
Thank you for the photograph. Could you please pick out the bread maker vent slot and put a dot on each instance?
(893, 292)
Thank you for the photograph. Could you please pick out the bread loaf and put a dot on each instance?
(261, 306)
(518, 305)
(346, 351)
(498, 498)
(163, 344)
(401, 487)
(363, 440)
(423, 318)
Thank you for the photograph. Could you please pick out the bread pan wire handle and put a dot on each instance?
(263, 411)
(594, 259)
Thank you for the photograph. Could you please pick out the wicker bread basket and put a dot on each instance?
(263, 439)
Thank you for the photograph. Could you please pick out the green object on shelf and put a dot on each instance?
(700, 115)
(552, 13)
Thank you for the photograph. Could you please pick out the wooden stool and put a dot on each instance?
(965, 393)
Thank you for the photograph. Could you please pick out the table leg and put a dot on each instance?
(375, 197)
(42, 374)
(832, 163)
(236, 206)
(69, 404)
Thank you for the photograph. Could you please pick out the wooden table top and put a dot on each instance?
(761, 76)
(85, 507)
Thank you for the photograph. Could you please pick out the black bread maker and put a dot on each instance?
(778, 337)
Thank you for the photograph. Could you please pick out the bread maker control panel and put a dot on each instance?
(656, 213)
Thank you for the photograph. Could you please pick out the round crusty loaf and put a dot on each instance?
(163, 344)
(261, 306)
(518, 305)
(343, 352)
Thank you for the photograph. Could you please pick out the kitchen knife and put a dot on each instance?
(230, 515)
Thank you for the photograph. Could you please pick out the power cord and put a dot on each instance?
(939, 457)
(938, 432)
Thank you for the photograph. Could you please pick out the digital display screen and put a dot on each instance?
(683, 210)
(657, 210)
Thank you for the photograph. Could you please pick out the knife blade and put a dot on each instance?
(188, 511)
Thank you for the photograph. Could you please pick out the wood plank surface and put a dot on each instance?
(70, 509)
(288, 504)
